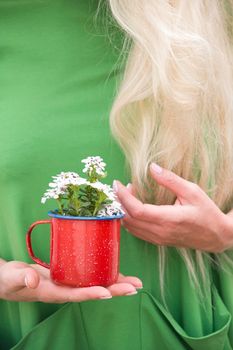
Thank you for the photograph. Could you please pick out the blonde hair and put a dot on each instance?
(175, 102)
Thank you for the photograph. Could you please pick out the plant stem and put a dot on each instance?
(60, 210)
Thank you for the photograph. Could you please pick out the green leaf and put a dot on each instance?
(83, 198)
(85, 204)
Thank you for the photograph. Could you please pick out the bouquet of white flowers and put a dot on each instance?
(78, 196)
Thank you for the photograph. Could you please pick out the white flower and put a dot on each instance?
(111, 209)
(94, 163)
(52, 193)
(105, 188)
(65, 178)
(60, 184)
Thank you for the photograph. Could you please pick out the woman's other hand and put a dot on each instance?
(194, 221)
(23, 282)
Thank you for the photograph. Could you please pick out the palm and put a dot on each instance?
(44, 290)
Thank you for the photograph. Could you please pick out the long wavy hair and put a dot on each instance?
(175, 101)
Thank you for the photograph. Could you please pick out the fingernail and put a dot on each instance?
(26, 282)
(132, 293)
(129, 185)
(139, 287)
(106, 297)
(115, 186)
(156, 168)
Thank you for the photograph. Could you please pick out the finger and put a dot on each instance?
(88, 293)
(131, 189)
(16, 278)
(32, 279)
(43, 271)
(147, 212)
(146, 234)
(149, 226)
(128, 201)
(135, 281)
(118, 289)
(183, 189)
(50, 292)
(142, 235)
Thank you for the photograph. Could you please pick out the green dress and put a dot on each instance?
(58, 75)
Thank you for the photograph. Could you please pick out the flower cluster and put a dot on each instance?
(94, 167)
(59, 185)
(78, 196)
(112, 209)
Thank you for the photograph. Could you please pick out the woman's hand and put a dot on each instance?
(22, 282)
(194, 221)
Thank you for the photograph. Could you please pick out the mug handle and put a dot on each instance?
(29, 243)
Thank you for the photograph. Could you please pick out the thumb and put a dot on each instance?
(31, 278)
(18, 277)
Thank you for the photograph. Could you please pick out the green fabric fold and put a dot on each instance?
(138, 322)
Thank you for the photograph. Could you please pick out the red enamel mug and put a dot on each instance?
(84, 251)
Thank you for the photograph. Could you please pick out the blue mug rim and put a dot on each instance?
(99, 218)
